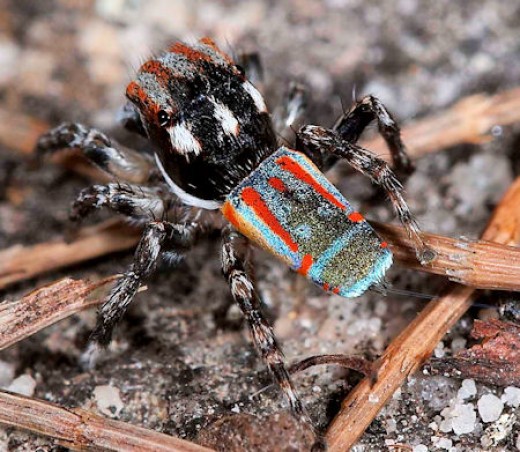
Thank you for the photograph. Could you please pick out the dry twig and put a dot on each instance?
(478, 264)
(468, 121)
(414, 345)
(47, 305)
(19, 262)
(79, 429)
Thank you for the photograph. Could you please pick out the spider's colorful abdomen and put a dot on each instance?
(288, 207)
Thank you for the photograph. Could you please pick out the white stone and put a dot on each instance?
(467, 390)
(457, 344)
(439, 350)
(420, 448)
(6, 373)
(460, 418)
(24, 385)
(490, 407)
(444, 443)
(108, 400)
(511, 396)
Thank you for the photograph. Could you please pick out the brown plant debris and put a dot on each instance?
(47, 305)
(496, 360)
(80, 429)
(20, 262)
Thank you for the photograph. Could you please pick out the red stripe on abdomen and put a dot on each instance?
(305, 265)
(291, 165)
(253, 200)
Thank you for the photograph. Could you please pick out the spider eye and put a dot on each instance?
(241, 70)
(163, 117)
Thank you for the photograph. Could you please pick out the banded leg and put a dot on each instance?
(235, 250)
(118, 161)
(289, 116)
(158, 237)
(351, 125)
(139, 203)
(316, 139)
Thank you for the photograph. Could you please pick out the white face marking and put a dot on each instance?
(256, 96)
(183, 140)
(186, 198)
(226, 117)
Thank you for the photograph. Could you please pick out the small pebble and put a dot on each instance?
(235, 409)
(511, 396)
(108, 400)
(490, 407)
(460, 418)
(467, 390)
(6, 373)
(420, 448)
(444, 443)
(24, 385)
(439, 350)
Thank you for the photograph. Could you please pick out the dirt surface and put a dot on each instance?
(175, 365)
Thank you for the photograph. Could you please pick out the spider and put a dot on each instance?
(217, 161)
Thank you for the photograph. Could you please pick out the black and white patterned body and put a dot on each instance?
(209, 123)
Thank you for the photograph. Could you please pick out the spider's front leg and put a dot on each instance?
(315, 139)
(158, 237)
(235, 250)
(116, 160)
(351, 125)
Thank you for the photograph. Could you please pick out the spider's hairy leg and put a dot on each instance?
(235, 250)
(315, 139)
(138, 203)
(289, 115)
(158, 237)
(351, 125)
(116, 160)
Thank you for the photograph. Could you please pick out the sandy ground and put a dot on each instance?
(175, 365)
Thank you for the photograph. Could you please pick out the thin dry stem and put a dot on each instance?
(47, 305)
(479, 264)
(414, 345)
(468, 121)
(19, 262)
(82, 430)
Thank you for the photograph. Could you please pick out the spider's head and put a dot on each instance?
(192, 95)
(200, 111)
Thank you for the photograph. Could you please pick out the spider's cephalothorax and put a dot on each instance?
(209, 123)
(215, 147)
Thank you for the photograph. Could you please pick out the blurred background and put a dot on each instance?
(176, 365)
